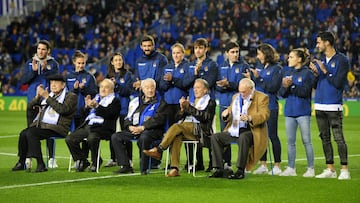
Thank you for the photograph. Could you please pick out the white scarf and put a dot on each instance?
(104, 102)
(50, 115)
(41, 61)
(239, 106)
(133, 105)
(200, 105)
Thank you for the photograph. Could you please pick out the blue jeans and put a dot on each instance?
(291, 124)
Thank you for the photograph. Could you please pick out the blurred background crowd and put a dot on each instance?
(101, 27)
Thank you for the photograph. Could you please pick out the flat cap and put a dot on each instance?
(56, 77)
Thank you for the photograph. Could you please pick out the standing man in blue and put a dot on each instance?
(331, 70)
(35, 72)
(150, 64)
(205, 68)
(229, 75)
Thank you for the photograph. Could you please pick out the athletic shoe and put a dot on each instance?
(309, 173)
(110, 163)
(227, 166)
(344, 175)
(288, 172)
(327, 173)
(261, 170)
(275, 171)
(52, 163)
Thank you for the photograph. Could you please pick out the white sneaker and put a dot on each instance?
(309, 173)
(344, 175)
(52, 163)
(327, 173)
(110, 163)
(227, 167)
(261, 170)
(76, 164)
(288, 172)
(28, 164)
(275, 171)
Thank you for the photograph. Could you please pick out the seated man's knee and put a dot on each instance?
(93, 138)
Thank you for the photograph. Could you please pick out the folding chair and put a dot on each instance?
(186, 142)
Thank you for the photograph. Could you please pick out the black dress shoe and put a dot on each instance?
(238, 175)
(217, 174)
(209, 169)
(124, 169)
(41, 168)
(18, 167)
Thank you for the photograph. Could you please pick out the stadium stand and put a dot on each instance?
(102, 27)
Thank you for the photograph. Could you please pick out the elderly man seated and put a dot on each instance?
(57, 108)
(199, 114)
(145, 121)
(99, 124)
(246, 125)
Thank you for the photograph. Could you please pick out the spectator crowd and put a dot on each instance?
(99, 28)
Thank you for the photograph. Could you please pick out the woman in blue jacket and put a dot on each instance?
(123, 80)
(82, 83)
(268, 80)
(297, 87)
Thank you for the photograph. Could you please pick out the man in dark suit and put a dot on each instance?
(246, 125)
(99, 124)
(56, 110)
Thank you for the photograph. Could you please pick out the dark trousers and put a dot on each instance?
(221, 140)
(30, 116)
(327, 120)
(273, 135)
(93, 139)
(227, 152)
(128, 146)
(73, 142)
(29, 142)
(145, 141)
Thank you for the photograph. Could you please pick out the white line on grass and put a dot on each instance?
(66, 181)
(9, 136)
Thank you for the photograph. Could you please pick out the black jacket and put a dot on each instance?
(110, 115)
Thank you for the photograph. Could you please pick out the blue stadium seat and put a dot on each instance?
(16, 58)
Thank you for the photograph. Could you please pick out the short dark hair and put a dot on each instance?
(44, 42)
(147, 38)
(231, 45)
(327, 36)
(201, 42)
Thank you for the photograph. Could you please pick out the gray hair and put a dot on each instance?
(248, 82)
(148, 80)
(204, 82)
(109, 82)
